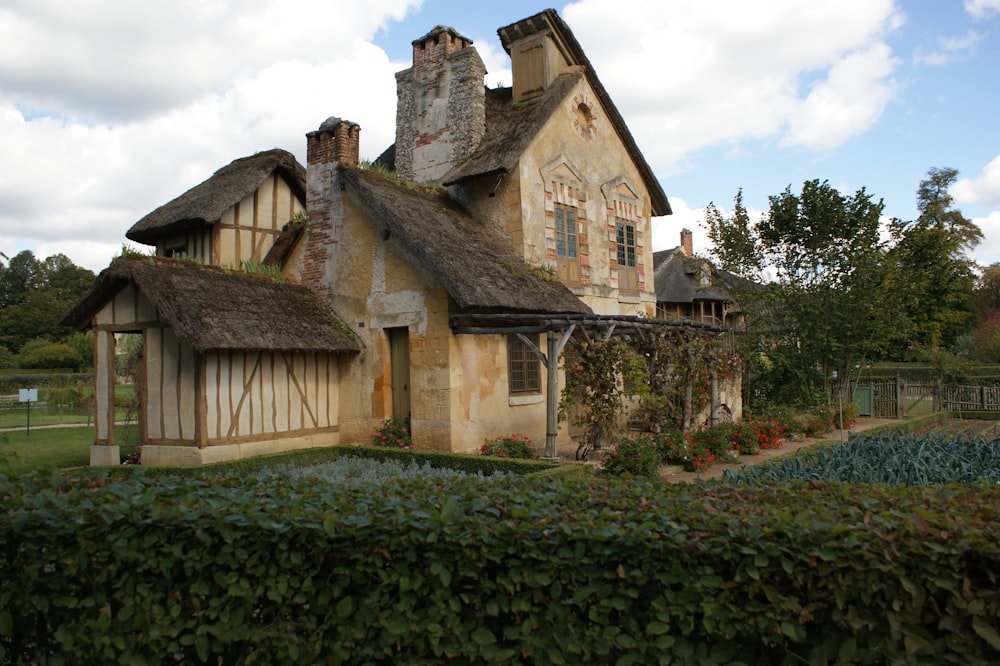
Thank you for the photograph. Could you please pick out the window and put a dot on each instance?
(626, 245)
(567, 245)
(565, 232)
(628, 276)
(524, 366)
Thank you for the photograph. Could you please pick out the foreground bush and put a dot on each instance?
(234, 570)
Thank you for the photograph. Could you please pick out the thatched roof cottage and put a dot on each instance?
(439, 285)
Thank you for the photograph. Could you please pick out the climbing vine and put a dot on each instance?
(597, 374)
(666, 379)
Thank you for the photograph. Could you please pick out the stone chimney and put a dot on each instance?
(687, 242)
(335, 144)
(440, 106)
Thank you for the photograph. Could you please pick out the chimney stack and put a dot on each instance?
(687, 242)
(440, 106)
(336, 140)
(335, 144)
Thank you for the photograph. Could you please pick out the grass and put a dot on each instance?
(48, 448)
(15, 415)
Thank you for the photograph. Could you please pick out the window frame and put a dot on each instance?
(524, 368)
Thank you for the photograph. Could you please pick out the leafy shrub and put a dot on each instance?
(715, 439)
(745, 438)
(672, 446)
(510, 446)
(393, 433)
(636, 456)
(849, 412)
(53, 356)
(699, 457)
(245, 570)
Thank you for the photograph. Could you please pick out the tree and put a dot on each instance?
(934, 201)
(929, 269)
(821, 309)
(986, 295)
(34, 295)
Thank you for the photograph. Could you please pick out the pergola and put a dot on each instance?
(559, 330)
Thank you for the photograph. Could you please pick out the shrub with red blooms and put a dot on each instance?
(633, 456)
(393, 433)
(699, 457)
(509, 446)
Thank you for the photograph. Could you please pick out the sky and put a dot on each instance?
(111, 108)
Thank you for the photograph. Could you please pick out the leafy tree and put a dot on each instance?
(83, 344)
(34, 295)
(7, 358)
(934, 201)
(929, 269)
(52, 356)
(986, 295)
(818, 255)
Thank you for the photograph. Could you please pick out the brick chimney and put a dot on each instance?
(336, 140)
(335, 144)
(440, 106)
(687, 242)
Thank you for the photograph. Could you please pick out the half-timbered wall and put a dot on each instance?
(169, 388)
(253, 394)
(248, 230)
(128, 312)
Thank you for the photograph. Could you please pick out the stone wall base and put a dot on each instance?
(102, 455)
(157, 455)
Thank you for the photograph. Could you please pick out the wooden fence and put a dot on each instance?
(901, 399)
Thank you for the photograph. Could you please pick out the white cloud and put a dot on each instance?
(114, 60)
(988, 252)
(951, 49)
(705, 72)
(849, 101)
(667, 229)
(983, 189)
(982, 8)
(78, 183)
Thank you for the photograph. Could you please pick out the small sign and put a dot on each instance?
(27, 395)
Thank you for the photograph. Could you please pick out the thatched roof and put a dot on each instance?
(214, 310)
(549, 20)
(204, 204)
(480, 270)
(678, 279)
(285, 243)
(510, 128)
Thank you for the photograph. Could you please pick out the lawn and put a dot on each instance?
(15, 415)
(46, 448)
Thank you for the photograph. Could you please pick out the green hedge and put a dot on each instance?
(12, 380)
(113, 568)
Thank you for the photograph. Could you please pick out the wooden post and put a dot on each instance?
(552, 396)
(714, 414)
(688, 399)
(900, 398)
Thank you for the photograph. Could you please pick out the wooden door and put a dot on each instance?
(399, 363)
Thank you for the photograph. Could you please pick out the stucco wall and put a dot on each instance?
(582, 151)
